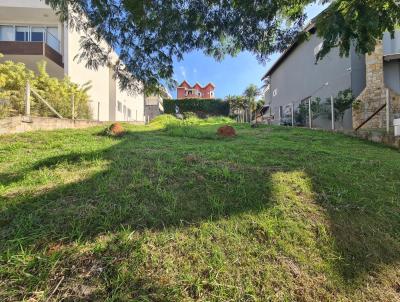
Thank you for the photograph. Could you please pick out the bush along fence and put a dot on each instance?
(48, 96)
(201, 107)
(335, 113)
(314, 112)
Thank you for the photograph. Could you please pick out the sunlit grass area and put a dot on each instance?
(172, 212)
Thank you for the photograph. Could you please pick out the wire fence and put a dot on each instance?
(310, 112)
(335, 113)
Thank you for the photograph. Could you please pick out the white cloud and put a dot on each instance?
(183, 71)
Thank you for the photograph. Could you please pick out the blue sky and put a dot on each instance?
(232, 75)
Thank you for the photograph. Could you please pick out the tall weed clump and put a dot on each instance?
(13, 78)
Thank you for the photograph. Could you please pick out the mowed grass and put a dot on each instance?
(178, 214)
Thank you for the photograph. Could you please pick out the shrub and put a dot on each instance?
(189, 114)
(201, 107)
(163, 120)
(13, 78)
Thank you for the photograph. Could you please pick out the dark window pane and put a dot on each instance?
(37, 36)
(21, 34)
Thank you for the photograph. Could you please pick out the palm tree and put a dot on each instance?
(236, 103)
(250, 94)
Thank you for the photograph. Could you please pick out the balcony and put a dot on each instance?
(17, 41)
(391, 46)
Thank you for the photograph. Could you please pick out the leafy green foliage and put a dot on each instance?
(160, 31)
(301, 113)
(358, 22)
(201, 107)
(342, 102)
(13, 78)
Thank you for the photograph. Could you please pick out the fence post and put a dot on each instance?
(387, 111)
(292, 115)
(28, 99)
(309, 113)
(73, 106)
(136, 116)
(98, 111)
(332, 113)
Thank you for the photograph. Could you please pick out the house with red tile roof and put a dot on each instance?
(186, 91)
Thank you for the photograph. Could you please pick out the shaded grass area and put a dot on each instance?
(165, 214)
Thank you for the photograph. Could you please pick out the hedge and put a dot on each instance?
(206, 107)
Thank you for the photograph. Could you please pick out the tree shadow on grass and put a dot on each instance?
(142, 187)
(151, 184)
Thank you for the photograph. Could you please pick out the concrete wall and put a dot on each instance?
(24, 3)
(392, 75)
(17, 124)
(391, 45)
(358, 71)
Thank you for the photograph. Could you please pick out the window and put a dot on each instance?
(129, 113)
(119, 106)
(189, 92)
(211, 93)
(22, 33)
(6, 33)
(37, 34)
(275, 92)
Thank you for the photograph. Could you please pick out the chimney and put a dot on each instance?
(374, 94)
(374, 68)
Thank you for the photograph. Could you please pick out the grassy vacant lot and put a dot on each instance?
(177, 214)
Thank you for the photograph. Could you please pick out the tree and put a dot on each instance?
(236, 103)
(342, 102)
(357, 22)
(250, 94)
(149, 35)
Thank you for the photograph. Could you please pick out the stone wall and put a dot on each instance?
(376, 136)
(374, 94)
(19, 124)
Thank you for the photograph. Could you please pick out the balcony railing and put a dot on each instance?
(21, 33)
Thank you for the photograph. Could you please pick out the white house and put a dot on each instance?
(30, 32)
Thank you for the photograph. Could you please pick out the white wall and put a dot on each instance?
(24, 3)
(132, 101)
(100, 91)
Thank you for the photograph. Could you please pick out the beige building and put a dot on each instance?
(30, 32)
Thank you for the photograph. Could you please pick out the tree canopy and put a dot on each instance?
(149, 34)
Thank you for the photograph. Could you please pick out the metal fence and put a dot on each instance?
(312, 112)
(334, 114)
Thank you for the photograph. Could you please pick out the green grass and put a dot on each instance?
(174, 213)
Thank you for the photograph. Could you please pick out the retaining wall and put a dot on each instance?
(20, 124)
